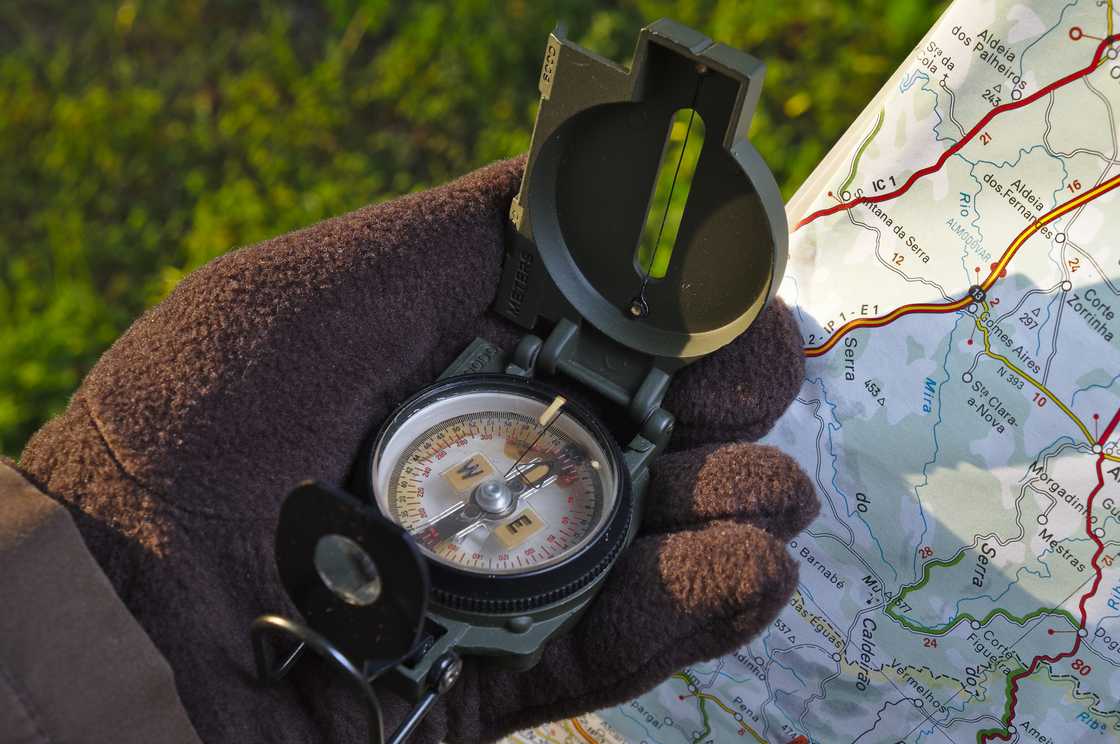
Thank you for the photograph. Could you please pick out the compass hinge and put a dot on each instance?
(615, 372)
(621, 375)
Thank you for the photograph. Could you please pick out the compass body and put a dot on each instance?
(489, 510)
(521, 501)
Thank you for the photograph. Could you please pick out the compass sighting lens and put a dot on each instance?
(493, 481)
(347, 570)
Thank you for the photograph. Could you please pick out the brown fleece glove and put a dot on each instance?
(271, 364)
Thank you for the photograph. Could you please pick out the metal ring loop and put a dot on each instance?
(274, 625)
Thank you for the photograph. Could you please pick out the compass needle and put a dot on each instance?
(546, 420)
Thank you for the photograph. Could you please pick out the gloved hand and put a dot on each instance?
(270, 366)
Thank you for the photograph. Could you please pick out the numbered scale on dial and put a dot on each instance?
(494, 476)
(495, 482)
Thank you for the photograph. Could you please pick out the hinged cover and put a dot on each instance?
(591, 182)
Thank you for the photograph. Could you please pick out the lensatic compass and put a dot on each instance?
(488, 509)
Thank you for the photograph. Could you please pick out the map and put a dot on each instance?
(955, 270)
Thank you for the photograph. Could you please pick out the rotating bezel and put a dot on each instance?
(498, 593)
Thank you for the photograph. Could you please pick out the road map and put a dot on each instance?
(955, 270)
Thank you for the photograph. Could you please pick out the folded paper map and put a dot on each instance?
(955, 269)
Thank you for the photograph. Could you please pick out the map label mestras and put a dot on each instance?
(1059, 548)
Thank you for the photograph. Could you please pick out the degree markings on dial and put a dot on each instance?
(556, 445)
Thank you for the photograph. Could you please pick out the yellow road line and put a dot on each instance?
(883, 320)
(733, 713)
(742, 724)
(582, 731)
(1034, 227)
(1010, 365)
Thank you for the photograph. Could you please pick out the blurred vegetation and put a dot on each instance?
(140, 139)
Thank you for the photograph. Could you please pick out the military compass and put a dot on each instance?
(487, 510)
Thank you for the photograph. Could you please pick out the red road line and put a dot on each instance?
(1014, 695)
(965, 139)
(997, 269)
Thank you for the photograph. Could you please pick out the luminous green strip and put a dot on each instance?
(670, 195)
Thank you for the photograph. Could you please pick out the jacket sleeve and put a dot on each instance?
(74, 664)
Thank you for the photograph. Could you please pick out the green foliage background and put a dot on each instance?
(140, 139)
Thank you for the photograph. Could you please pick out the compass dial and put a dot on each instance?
(493, 481)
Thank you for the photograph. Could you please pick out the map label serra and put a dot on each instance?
(850, 345)
(983, 558)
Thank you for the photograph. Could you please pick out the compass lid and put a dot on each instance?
(644, 212)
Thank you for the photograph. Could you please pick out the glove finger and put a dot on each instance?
(741, 390)
(753, 483)
(672, 600)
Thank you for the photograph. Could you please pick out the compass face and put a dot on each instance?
(493, 481)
